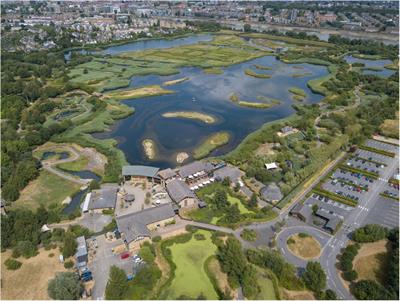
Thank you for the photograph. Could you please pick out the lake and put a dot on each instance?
(211, 93)
(145, 44)
(372, 64)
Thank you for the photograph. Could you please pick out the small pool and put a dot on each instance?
(84, 174)
(75, 202)
(49, 154)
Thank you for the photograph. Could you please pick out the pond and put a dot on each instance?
(84, 174)
(146, 44)
(378, 64)
(211, 94)
(75, 202)
(49, 154)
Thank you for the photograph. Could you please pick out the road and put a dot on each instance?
(284, 235)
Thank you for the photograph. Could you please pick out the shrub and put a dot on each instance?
(156, 238)
(290, 241)
(51, 255)
(303, 235)
(25, 248)
(199, 236)
(350, 275)
(12, 264)
(190, 228)
(249, 235)
(68, 264)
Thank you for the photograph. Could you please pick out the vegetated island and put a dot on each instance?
(191, 115)
(149, 148)
(175, 81)
(266, 104)
(298, 94)
(213, 70)
(211, 143)
(295, 75)
(146, 91)
(250, 72)
(261, 67)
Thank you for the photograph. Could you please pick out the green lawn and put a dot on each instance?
(76, 165)
(267, 287)
(190, 277)
(48, 190)
(232, 200)
(211, 143)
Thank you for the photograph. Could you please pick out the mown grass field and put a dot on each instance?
(48, 190)
(190, 276)
(267, 290)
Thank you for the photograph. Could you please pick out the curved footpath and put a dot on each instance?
(49, 166)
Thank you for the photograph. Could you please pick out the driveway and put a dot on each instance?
(95, 221)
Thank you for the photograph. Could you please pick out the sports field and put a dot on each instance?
(190, 278)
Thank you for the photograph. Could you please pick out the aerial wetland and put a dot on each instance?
(198, 96)
(201, 106)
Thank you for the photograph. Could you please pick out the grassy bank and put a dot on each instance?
(210, 144)
(267, 102)
(298, 93)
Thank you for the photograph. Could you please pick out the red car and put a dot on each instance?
(124, 255)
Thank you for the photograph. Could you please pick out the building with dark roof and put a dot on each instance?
(167, 175)
(332, 221)
(139, 172)
(138, 225)
(302, 212)
(81, 252)
(181, 194)
(193, 168)
(271, 193)
(103, 198)
(231, 172)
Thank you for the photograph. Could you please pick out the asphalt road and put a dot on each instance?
(283, 236)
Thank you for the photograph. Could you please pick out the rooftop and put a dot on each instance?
(192, 168)
(81, 249)
(179, 190)
(139, 170)
(103, 198)
(134, 225)
(166, 173)
(271, 193)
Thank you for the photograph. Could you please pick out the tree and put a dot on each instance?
(70, 245)
(116, 285)
(330, 295)
(369, 290)
(220, 199)
(314, 208)
(314, 277)
(247, 27)
(232, 214)
(233, 261)
(65, 286)
(369, 233)
(253, 201)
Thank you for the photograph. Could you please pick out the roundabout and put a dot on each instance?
(294, 242)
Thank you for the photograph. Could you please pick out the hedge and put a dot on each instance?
(361, 171)
(335, 197)
(378, 151)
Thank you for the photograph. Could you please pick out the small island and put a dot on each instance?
(175, 81)
(261, 67)
(149, 148)
(146, 91)
(265, 104)
(191, 115)
(295, 75)
(213, 70)
(211, 143)
(182, 156)
(298, 94)
(250, 72)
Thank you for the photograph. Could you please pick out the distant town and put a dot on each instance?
(47, 25)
